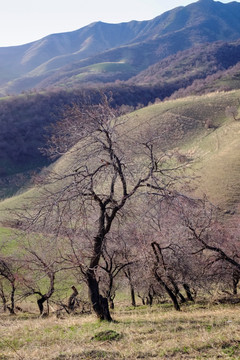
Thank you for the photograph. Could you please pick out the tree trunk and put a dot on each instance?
(12, 307)
(4, 304)
(127, 273)
(188, 292)
(133, 298)
(182, 298)
(40, 303)
(177, 291)
(110, 294)
(236, 278)
(3, 297)
(99, 303)
(157, 251)
(46, 296)
(149, 299)
(111, 302)
(169, 291)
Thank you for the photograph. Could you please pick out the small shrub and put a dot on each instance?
(108, 335)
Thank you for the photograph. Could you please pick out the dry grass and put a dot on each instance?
(197, 332)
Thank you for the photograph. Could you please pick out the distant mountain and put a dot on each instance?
(103, 52)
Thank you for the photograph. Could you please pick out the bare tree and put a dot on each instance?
(41, 262)
(102, 175)
(108, 170)
(8, 272)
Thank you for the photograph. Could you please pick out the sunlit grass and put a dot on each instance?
(144, 333)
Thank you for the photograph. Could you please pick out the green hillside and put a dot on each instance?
(180, 125)
(100, 72)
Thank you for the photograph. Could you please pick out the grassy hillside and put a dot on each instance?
(100, 72)
(181, 125)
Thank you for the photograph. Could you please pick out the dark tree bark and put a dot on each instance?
(40, 303)
(236, 278)
(99, 303)
(12, 307)
(188, 292)
(177, 290)
(150, 298)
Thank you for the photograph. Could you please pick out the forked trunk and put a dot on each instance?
(169, 291)
(46, 296)
(188, 292)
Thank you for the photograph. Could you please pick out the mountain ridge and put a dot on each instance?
(138, 43)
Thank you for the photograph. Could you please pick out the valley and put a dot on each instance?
(120, 190)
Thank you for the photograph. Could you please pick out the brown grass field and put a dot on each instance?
(199, 331)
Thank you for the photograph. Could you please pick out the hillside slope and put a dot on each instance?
(195, 63)
(213, 152)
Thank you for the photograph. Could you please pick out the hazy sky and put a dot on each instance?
(23, 21)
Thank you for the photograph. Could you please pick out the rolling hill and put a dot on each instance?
(25, 119)
(137, 44)
(213, 151)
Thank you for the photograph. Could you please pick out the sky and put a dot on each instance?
(24, 21)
